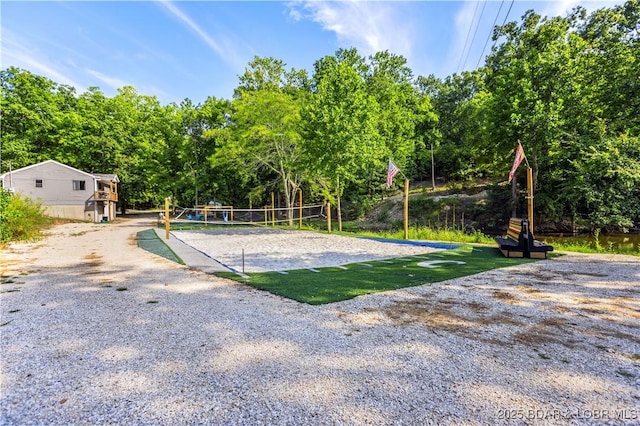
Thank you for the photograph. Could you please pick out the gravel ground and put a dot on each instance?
(94, 330)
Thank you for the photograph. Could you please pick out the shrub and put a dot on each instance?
(21, 218)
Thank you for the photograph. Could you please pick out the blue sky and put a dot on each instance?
(194, 49)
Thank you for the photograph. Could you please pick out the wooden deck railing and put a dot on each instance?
(106, 196)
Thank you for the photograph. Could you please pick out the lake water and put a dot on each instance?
(622, 242)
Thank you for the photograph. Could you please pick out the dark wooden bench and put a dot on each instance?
(536, 249)
(514, 244)
(520, 242)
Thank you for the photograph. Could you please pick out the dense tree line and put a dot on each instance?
(567, 88)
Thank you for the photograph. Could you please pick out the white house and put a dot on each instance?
(66, 192)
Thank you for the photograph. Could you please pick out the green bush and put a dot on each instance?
(21, 218)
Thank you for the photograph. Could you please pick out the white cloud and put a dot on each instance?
(368, 26)
(223, 46)
(563, 7)
(193, 26)
(113, 82)
(20, 53)
(464, 24)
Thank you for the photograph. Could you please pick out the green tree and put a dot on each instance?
(28, 110)
(405, 115)
(264, 135)
(461, 103)
(342, 141)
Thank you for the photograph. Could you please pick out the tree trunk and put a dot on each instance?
(288, 196)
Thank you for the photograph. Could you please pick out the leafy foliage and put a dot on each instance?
(21, 219)
(566, 87)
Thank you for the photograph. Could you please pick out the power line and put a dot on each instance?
(490, 33)
(503, 22)
(475, 11)
(508, 11)
(484, 3)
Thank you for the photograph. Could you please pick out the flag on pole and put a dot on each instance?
(391, 172)
(516, 161)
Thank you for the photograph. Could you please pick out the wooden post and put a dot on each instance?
(166, 219)
(339, 212)
(453, 218)
(514, 198)
(266, 216)
(406, 209)
(300, 218)
(433, 170)
(530, 197)
(273, 210)
(329, 217)
(250, 212)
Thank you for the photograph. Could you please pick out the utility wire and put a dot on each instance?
(507, 15)
(475, 11)
(484, 3)
(490, 34)
(504, 21)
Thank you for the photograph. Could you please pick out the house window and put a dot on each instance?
(38, 183)
(78, 185)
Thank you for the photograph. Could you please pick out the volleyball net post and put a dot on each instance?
(167, 223)
(300, 212)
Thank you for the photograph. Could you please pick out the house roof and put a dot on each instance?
(97, 176)
(107, 177)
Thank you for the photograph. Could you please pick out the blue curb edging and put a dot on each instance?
(441, 246)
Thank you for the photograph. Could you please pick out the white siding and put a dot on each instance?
(57, 184)
(72, 212)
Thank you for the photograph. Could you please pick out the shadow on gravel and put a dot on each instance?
(187, 348)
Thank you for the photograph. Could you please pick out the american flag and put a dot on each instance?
(393, 170)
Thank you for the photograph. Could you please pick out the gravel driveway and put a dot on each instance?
(95, 330)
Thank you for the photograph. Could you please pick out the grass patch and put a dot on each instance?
(334, 284)
(430, 234)
(149, 241)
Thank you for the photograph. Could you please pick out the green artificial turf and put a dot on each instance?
(149, 241)
(334, 284)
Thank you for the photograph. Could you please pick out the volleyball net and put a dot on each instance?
(217, 214)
